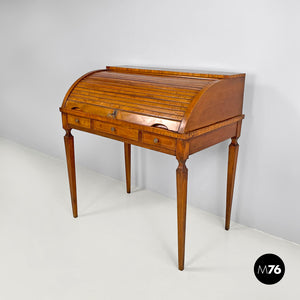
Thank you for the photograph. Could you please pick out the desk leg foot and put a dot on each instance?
(232, 161)
(181, 181)
(127, 151)
(69, 146)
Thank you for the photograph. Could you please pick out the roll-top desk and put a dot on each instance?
(177, 112)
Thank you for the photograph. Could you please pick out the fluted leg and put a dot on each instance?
(181, 180)
(127, 151)
(69, 146)
(232, 161)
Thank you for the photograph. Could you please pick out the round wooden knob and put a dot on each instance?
(155, 140)
(113, 129)
(76, 120)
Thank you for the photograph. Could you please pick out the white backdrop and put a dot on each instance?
(47, 45)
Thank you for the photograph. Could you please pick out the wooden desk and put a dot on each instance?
(177, 112)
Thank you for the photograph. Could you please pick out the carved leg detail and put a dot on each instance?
(181, 180)
(127, 150)
(232, 161)
(69, 146)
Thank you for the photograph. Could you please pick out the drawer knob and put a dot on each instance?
(113, 129)
(76, 120)
(155, 140)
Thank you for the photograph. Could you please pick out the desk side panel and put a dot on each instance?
(221, 101)
(212, 138)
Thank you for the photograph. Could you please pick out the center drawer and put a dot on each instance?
(131, 134)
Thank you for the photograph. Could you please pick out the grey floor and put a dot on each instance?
(121, 246)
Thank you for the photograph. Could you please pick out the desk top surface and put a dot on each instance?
(175, 72)
(177, 100)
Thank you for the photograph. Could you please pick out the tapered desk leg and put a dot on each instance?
(127, 151)
(69, 146)
(232, 161)
(181, 180)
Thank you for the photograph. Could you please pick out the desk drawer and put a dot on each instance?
(78, 121)
(159, 140)
(131, 134)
